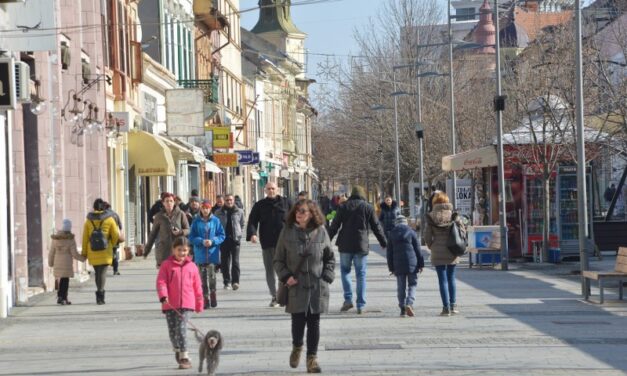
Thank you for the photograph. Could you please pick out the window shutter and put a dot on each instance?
(137, 62)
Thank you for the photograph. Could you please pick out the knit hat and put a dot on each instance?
(67, 225)
(207, 204)
(194, 199)
(358, 190)
(400, 220)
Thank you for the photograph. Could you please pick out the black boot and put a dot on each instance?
(213, 298)
(100, 297)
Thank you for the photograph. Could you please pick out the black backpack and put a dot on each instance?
(457, 241)
(97, 240)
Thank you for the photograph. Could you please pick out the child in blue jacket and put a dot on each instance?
(206, 235)
(405, 262)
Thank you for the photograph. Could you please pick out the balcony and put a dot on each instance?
(211, 87)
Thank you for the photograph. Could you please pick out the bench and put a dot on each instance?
(619, 274)
(493, 252)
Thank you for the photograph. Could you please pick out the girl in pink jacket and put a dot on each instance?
(180, 292)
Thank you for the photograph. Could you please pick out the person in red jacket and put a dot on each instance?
(180, 292)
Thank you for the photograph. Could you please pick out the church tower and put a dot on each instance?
(276, 26)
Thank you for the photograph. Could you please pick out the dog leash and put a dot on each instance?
(183, 317)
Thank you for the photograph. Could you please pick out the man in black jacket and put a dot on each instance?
(269, 216)
(355, 217)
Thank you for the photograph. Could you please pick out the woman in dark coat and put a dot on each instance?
(405, 262)
(389, 212)
(304, 235)
(169, 224)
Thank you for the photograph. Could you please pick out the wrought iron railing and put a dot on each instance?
(211, 87)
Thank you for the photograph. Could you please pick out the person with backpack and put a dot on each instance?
(100, 234)
(437, 233)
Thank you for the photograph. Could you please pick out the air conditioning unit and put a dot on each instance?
(22, 81)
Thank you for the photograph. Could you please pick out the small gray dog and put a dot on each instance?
(210, 347)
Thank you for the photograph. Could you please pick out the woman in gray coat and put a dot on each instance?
(168, 224)
(304, 235)
(439, 222)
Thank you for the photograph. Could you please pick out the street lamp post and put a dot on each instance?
(499, 106)
(581, 155)
(420, 133)
(452, 101)
(396, 148)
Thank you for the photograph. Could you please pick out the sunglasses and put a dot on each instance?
(302, 211)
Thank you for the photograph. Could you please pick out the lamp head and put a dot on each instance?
(420, 131)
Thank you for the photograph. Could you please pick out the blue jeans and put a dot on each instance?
(446, 279)
(361, 265)
(406, 288)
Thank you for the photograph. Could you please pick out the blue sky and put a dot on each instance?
(329, 25)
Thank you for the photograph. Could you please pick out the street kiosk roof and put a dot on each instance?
(483, 157)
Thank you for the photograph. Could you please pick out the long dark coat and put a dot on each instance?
(162, 226)
(316, 272)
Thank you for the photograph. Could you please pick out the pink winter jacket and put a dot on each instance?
(180, 283)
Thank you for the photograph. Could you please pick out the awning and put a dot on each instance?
(150, 155)
(180, 152)
(210, 166)
(484, 157)
(199, 155)
(254, 175)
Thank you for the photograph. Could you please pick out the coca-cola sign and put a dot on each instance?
(473, 162)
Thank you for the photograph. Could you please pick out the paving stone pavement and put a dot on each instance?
(526, 321)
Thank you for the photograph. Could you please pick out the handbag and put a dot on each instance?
(283, 290)
(457, 241)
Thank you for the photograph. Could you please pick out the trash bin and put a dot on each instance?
(554, 255)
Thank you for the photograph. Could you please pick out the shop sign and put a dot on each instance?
(185, 112)
(225, 159)
(222, 138)
(463, 195)
(29, 26)
(151, 171)
(119, 120)
(244, 156)
(247, 157)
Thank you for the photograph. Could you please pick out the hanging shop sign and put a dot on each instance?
(225, 159)
(244, 156)
(29, 26)
(185, 112)
(256, 158)
(222, 138)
